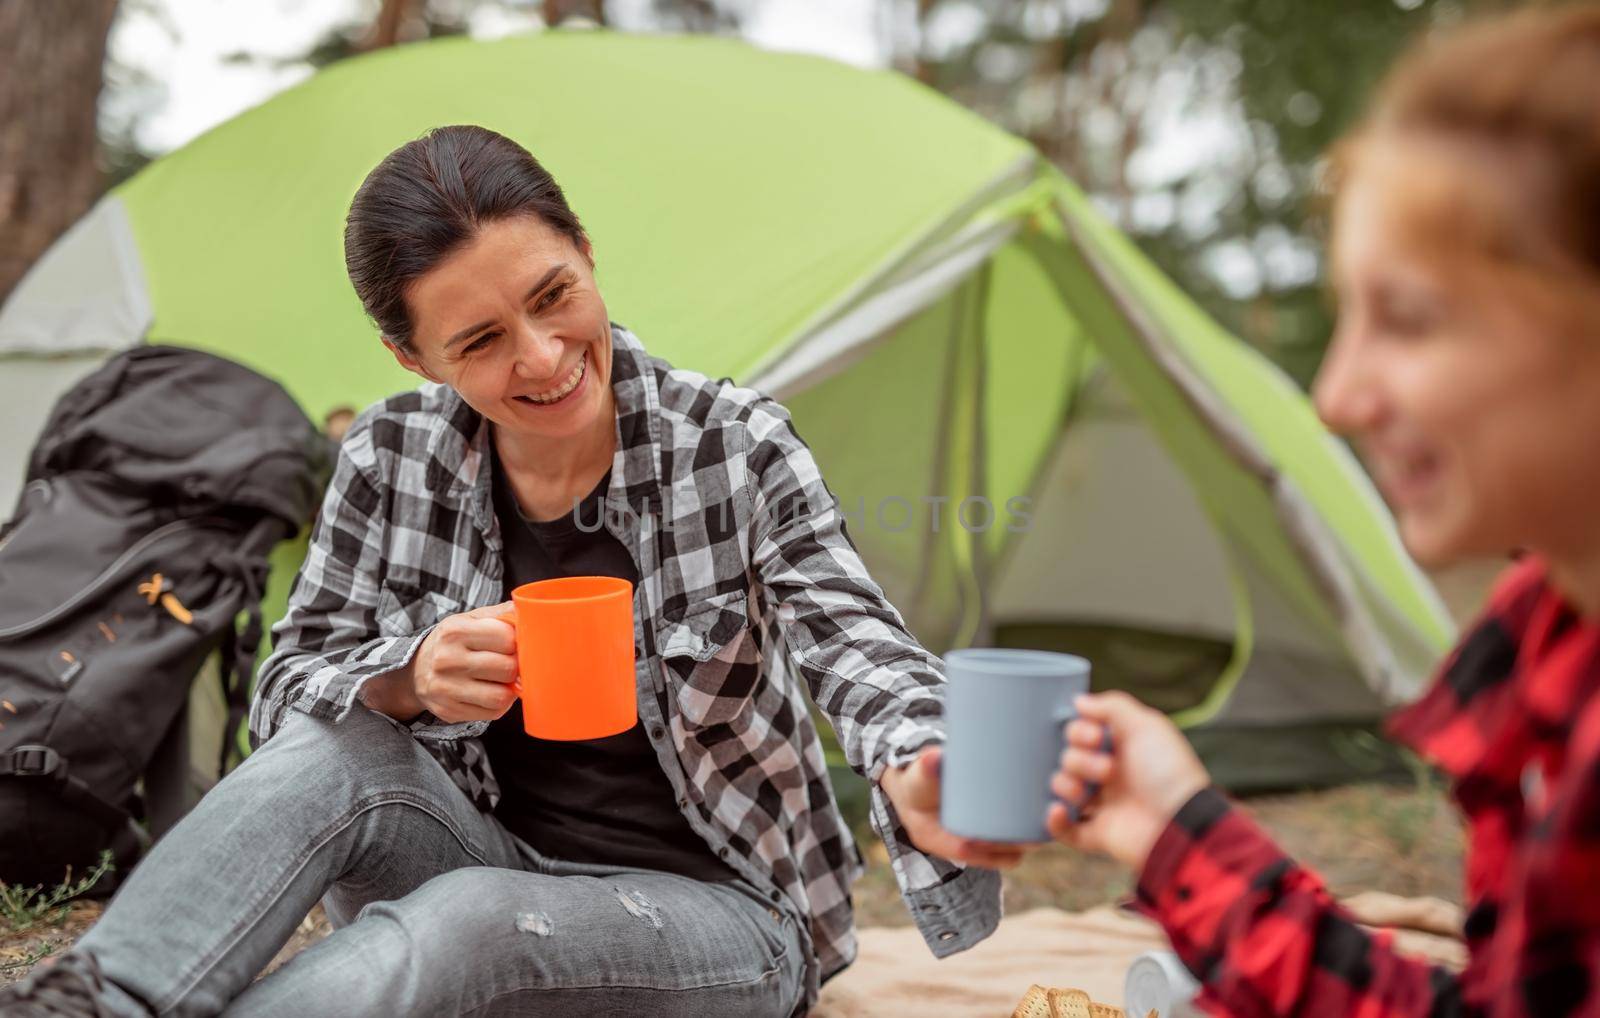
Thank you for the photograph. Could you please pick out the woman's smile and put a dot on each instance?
(1407, 475)
(571, 386)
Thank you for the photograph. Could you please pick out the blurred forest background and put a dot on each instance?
(1198, 125)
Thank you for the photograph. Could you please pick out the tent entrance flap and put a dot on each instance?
(1123, 566)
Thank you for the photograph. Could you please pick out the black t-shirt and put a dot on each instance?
(597, 800)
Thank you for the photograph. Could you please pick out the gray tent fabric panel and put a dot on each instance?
(87, 294)
(1300, 716)
(1117, 533)
(29, 387)
(1295, 674)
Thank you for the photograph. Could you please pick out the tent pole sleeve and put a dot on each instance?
(1244, 638)
(970, 542)
(939, 483)
(960, 480)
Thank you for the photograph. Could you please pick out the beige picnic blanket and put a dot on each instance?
(895, 976)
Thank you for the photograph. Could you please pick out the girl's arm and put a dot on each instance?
(1260, 932)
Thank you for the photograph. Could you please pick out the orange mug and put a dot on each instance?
(575, 657)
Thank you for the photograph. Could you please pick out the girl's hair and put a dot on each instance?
(1521, 89)
(428, 198)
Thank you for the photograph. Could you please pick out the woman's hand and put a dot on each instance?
(465, 670)
(914, 791)
(1149, 774)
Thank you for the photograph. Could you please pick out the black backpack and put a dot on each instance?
(138, 548)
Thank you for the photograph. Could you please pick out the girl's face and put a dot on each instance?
(1466, 363)
(514, 323)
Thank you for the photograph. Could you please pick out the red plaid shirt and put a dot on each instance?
(1514, 719)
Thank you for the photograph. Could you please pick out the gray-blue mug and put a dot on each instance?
(1004, 714)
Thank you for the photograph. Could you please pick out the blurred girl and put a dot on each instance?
(1466, 366)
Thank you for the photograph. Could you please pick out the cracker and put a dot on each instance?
(1034, 1004)
(1069, 1004)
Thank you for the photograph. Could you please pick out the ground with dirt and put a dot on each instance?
(1403, 840)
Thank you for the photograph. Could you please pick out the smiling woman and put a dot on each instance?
(464, 252)
(693, 864)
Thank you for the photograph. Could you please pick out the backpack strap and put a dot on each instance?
(167, 792)
(235, 666)
(238, 647)
(38, 761)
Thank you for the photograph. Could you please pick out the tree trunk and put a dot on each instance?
(386, 29)
(51, 57)
(922, 68)
(557, 11)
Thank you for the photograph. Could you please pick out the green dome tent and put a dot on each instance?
(1039, 440)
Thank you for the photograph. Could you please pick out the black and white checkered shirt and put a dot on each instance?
(748, 586)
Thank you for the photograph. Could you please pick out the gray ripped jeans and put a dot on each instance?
(438, 909)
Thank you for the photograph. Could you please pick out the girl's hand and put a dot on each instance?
(1150, 772)
(465, 670)
(914, 790)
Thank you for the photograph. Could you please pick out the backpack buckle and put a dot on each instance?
(31, 761)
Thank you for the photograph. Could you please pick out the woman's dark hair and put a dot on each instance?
(429, 197)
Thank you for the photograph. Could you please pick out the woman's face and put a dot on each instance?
(514, 323)
(1466, 363)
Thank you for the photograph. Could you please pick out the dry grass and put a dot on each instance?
(1405, 840)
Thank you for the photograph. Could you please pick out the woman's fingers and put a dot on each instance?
(491, 611)
(1087, 765)
(472, 701)
(915, 792)
(921, 785)
(993, 858)
(988, 854)
(1068, 788)
(1115, 709)
(933, 839)
(1061, 825)
(454, 712)
(486, 634)
(929, 836)
(1085, 734)
(494, 697)
(487, 666)
(1083, 833)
